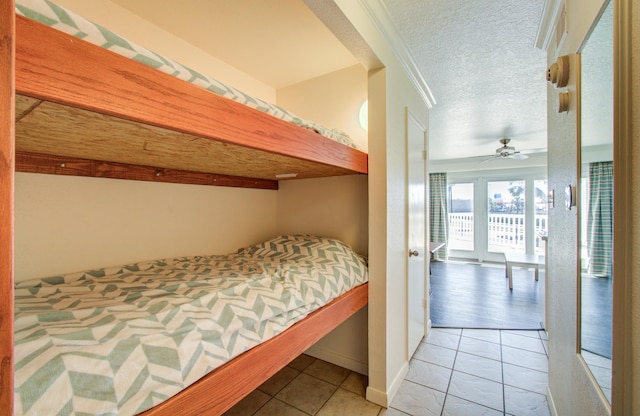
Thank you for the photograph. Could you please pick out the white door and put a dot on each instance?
(417, 255)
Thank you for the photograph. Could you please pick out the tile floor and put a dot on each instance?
(462, 372)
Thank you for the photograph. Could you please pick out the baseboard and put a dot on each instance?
(552, 405)
(382, 398)
(378, 397)
(349, 363)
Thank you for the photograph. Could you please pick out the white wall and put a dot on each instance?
(338, 208)
(400, 94)
(66, 224)
(331, 207)
(332, 100)
(391, 93)
(479, 164)
(154, 38)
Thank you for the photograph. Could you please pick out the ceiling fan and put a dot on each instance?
(507, 152)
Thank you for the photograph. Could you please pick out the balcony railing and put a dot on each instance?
(505, 232)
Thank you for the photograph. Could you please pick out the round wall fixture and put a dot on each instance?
(563, 71)
(564, 99)
(558, 72)
(363, 115)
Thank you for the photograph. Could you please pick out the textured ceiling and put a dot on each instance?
(479, 60)
(477, 57)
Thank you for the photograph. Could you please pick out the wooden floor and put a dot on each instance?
(468, 295)
(477, 296)
(597, 296)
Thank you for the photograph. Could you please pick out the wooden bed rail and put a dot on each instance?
(64, 165)
(7, 106)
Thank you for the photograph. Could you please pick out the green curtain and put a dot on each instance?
(600, 218)
(438, 215)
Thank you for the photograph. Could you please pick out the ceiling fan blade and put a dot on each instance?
(490, 158)
(518, 156)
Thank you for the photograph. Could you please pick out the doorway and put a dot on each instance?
(491, 213)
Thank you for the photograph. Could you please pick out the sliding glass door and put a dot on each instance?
(491, 215)
(460, 204)
(540, 215)
(506, 219)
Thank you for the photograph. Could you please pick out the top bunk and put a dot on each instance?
(82, 109)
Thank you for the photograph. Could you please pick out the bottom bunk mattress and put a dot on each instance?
(121, 340)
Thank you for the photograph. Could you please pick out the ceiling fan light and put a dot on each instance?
(507, 152)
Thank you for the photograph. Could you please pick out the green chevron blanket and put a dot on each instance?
(50, 14)
(121, 340)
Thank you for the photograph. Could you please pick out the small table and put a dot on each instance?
(529, 261)
(435, 246)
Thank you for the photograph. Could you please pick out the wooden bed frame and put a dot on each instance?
(79, 101)
(72, 108)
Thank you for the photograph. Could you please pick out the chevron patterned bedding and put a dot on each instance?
(55, 16)
(120, 340)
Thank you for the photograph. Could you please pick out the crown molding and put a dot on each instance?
(546, 28)
(379, 16)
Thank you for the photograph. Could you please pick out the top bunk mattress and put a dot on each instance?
(121, 340)
(57, 17)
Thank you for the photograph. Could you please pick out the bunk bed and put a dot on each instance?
(83, 110)
(80, 109)
(120, 340)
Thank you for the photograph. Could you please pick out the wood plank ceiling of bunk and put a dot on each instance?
(82, 102)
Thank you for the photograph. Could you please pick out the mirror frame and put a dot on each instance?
(621, 388)
(583, 210)
(623, 256)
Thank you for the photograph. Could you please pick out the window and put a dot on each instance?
(540, 214)
(461, 219)
(498, 211)
(506, 219)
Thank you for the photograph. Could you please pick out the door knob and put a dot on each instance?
(413, 253)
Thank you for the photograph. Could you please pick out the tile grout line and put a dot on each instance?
(446, 393)
(456, 357)
(504, 399)
(300, 372)
(328, 398)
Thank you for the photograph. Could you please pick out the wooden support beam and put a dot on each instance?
(63, 165)
(7, 153)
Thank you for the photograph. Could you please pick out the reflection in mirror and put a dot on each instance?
(596, 205)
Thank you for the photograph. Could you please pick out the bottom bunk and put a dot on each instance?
(183, 336)
(224, 387)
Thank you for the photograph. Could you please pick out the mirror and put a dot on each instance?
(596, 199)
